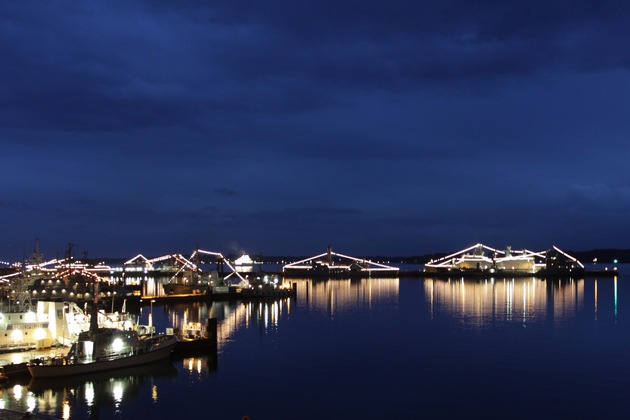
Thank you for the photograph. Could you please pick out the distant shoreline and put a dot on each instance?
(603, 256)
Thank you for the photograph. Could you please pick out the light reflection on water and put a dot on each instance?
(332, 296)
(231, 316)
(482, 303)
(89, 394)
(478, 305)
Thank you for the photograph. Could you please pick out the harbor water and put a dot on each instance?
(377, 349)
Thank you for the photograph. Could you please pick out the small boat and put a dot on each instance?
(197, 338)
(101, 349)
(189, 282)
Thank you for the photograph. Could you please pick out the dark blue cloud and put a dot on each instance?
(397, 127)
(226, 192)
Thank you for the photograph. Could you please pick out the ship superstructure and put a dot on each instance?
(482, 260)
(333, 264)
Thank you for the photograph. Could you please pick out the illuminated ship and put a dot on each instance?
(188, 283)
(21, 329)
(244, 264)
(484, 261)
(26, 327)
(331, 264)
(192, 279)
(101, 349)
(22, 325)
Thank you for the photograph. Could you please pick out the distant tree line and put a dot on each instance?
(604, 256)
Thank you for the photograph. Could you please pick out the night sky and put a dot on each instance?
(282, 127)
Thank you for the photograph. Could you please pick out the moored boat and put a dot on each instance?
(334, 265)
(185, 289)
(102, 349)
(245, 264)
(483, 261)
(197, 338)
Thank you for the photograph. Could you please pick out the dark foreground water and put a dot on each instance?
(380, 349)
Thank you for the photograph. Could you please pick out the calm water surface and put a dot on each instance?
(379, 349)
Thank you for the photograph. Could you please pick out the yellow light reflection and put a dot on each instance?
(31, 403)
(118, 392)
(154, 393)
(615, 283)
(330, 297)
(66, 411)
(266, 316)
(89, 393)
(479, 303)
(17, 392)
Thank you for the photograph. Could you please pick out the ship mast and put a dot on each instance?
(22, 296)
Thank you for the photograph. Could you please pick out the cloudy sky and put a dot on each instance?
(280, 127)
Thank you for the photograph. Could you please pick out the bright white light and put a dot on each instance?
(40, 334)
(30, 316)
(16, 335)
(117, 345)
